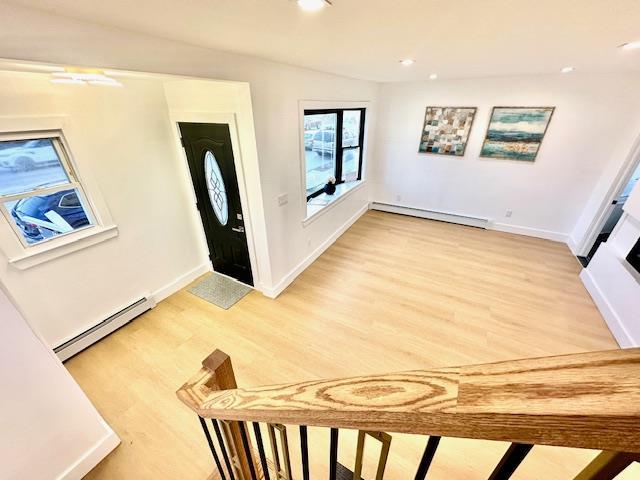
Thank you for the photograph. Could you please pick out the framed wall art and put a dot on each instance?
(516, 133)
(446, 130)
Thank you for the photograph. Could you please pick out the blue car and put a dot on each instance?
(46, 216)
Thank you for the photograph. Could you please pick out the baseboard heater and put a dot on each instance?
(78, 343)
(432, 215)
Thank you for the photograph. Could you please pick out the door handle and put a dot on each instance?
(238, 229)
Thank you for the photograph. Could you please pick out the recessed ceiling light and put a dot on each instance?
(433, 76)
(313, 5)
(630, 46)
(407, 62)
(567, 69)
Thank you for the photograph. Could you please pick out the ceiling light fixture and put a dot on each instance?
(107, 82)
(407, 62)
(567, 69)
(433, 76)
(630, 46)
(313, 5)
(67, 81)
(76, 76)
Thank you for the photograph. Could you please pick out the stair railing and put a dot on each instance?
(589, 400)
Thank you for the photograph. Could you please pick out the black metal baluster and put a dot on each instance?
(223, 449)
(213, 450)
(274, 448)
(333, 454)
(304, 447)
(510, 461)
(427, 457)
(247, 450)
(263, 457)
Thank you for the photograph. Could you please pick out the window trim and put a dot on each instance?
(339, 149)
(74, 183)
(353, 187)
(105, 229)
(52, 250)
(305, 218)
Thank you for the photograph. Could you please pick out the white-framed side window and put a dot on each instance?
(40, 195)
(333, 147)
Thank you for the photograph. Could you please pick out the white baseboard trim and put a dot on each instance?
(85, 339)
(462, 219)
(531, 232)
(92, 457)
(573, 245)
(273, 292)
(181, 282)
(608, 313)
(450, 217)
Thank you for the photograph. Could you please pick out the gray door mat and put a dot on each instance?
(220, 290)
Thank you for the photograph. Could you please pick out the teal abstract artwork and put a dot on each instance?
(516, 133)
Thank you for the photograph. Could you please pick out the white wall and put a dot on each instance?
(48, 427)
(152, 250)
(594, 125)
(613, 284)
(121, 138)
(275, 92)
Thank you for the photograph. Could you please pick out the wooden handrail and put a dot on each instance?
(589, 400)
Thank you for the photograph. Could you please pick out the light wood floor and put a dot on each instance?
(393, 293)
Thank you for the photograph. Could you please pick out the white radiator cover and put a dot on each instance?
(432, 214)
(78, 343)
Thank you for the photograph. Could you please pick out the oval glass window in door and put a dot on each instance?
(215, 186)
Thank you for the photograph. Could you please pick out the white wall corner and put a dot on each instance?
(181, 282)
(531, 232)
(573, 245)
(278, 288)
(614, 322)
(92, 457)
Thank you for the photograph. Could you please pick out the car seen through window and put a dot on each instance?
(39, 193)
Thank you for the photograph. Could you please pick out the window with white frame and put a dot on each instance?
(40, 194)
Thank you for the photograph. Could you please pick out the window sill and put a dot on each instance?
(316, 207)
(55, 249)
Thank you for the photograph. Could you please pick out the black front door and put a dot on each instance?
(210, 157)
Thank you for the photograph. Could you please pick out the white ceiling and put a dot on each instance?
(366, 38)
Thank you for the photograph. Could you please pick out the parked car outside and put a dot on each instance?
(28, 156)
(324, 141)
(349, 138)
(308, 139)
(42, 217)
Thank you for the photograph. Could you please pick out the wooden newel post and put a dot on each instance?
(219, 364)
